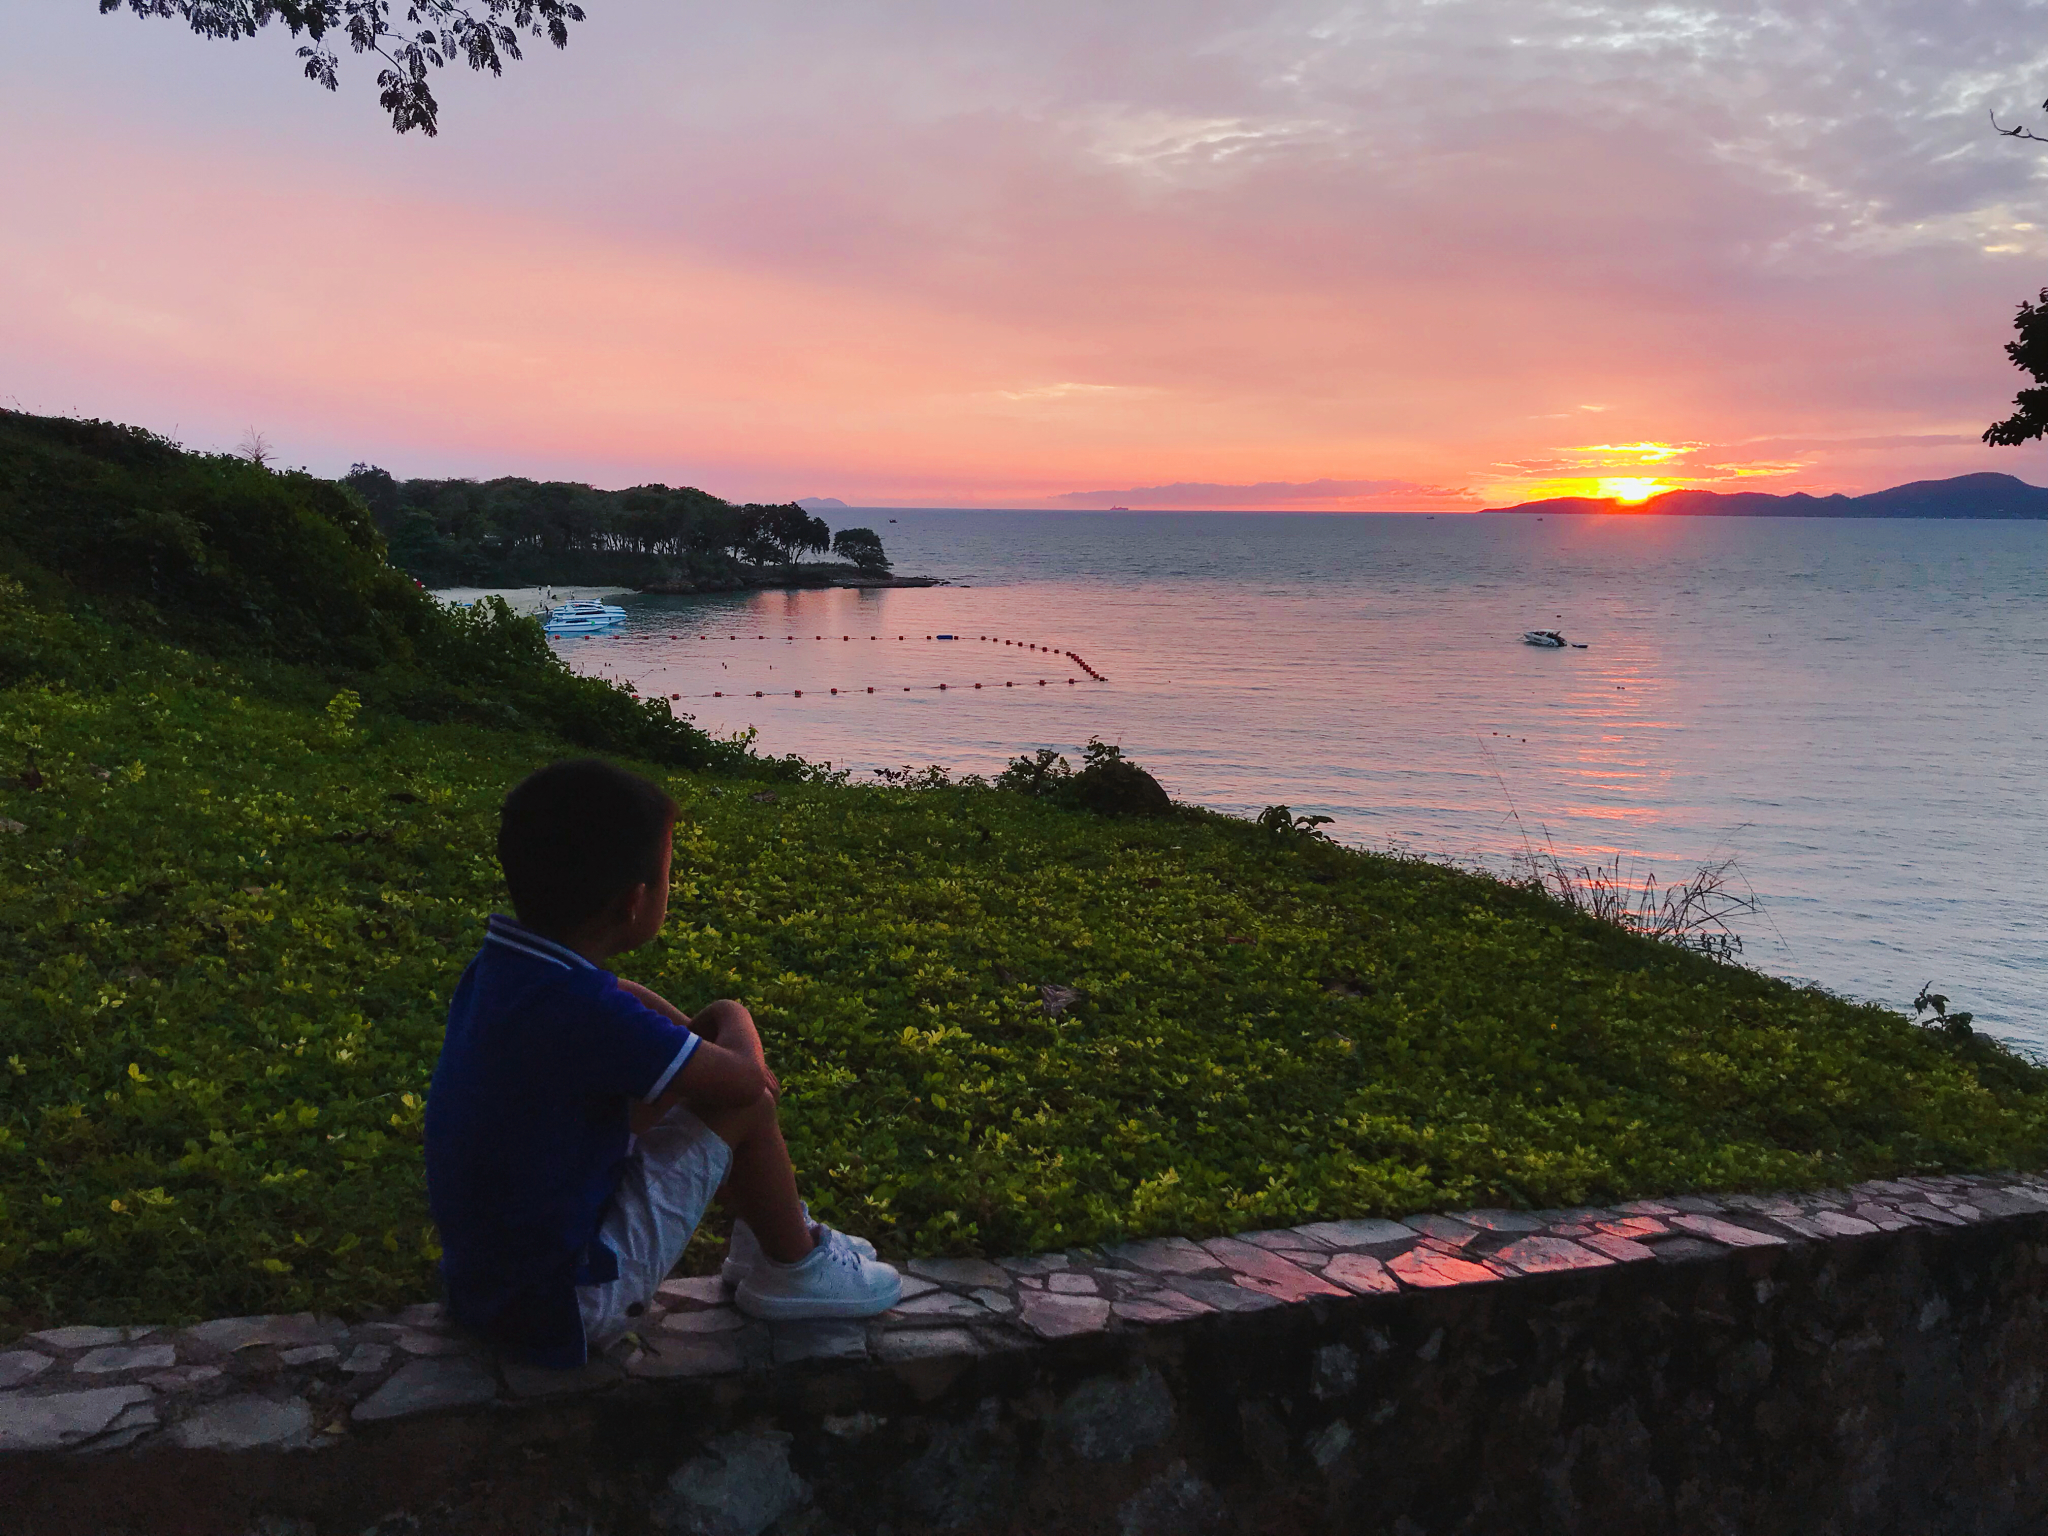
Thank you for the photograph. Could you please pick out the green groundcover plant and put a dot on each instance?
(235, 898)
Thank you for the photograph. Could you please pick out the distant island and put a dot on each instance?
(821, 503)
(1964, 496)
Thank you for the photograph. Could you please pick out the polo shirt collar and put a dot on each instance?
(515, 935)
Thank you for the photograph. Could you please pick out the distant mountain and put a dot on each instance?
(1985, 495)
(820, 503)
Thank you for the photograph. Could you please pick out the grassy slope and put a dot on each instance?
(223, 966)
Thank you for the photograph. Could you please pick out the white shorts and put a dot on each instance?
(674, 1170)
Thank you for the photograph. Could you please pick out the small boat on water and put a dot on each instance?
(577, 626)
(1549, 639)
(582, 617)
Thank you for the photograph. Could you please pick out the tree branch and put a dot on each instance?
(482, 33)
(2019, 132)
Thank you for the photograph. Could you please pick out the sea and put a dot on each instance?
(1852, 711)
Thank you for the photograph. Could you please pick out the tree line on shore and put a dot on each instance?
(518, 532)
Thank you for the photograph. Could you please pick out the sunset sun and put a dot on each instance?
(1630, 490)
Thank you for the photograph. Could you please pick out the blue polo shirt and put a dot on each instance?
(526, 1134)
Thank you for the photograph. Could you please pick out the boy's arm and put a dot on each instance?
(650, 998)
(728, 1068)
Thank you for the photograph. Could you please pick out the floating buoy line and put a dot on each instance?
(632, 685)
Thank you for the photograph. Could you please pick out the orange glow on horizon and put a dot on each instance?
(1631, 490)
(1624, 490)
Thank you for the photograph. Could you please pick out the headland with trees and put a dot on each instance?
(512, 532)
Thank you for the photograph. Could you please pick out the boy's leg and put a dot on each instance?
(669, 1183)
(761, 1187)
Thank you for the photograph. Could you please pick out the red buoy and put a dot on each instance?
(716, 694)
(977, 685)
(799, 693)
(942, 687)
(835, 690)
(871, 690)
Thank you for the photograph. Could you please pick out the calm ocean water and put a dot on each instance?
(1855, 710)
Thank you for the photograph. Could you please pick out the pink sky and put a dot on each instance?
(1190, 254)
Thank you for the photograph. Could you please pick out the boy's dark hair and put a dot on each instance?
(575, 836)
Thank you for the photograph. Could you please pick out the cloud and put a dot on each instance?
(893, 247)
(1269, 494)
(1890, 442)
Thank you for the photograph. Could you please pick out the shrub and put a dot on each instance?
(284, 575)
(1108, 783)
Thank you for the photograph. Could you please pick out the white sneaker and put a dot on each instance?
(743, 1256)
(832, 1280)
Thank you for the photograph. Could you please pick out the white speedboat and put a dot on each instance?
(581, 618)
(1549, 639)
(577, 626)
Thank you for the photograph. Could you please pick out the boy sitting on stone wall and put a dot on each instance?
(579, 1124)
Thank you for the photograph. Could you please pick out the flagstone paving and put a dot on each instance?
(300, 1381)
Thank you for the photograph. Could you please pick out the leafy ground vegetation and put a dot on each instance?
(235, 893)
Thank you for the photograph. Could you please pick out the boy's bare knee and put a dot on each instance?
(712, 1014)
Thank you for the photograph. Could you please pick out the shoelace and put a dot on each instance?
(839, 1251)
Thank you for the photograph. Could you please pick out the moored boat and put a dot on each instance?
(582, 617)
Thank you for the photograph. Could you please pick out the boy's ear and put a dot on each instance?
(619, 910)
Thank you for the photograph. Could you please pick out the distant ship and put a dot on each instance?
(1119, 509)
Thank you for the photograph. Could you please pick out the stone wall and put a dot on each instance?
(1867, 1361)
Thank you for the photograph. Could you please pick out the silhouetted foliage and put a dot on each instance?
(1109, 783)
(480, 33)
(1283, 825)
(514, 532)
(863, 546)
(2029, 353)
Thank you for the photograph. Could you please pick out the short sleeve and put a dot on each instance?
(622, 1046)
